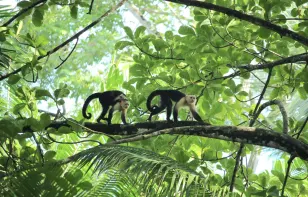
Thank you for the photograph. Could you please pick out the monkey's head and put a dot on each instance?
(191, 99)
(124, 103)
(122, 97)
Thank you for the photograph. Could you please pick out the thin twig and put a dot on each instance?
(39, 149)
(287, 174)
(90, 8)
(302, 128)
(68, 54)
(81, 141)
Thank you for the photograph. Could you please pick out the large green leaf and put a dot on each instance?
(37, 17)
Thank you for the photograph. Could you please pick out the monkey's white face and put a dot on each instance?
(191, 99)
(124, 104)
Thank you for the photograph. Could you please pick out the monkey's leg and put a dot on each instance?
(169, 109)
(123, 116)
(175, 112)
(104, 112)
(110, 115)
(156, 110)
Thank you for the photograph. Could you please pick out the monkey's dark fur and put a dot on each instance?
(166, 98)
(106, 99)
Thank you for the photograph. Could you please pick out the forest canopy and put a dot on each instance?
(245, 61)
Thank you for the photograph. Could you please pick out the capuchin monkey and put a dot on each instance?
(121, 106)
(180, 99)
(116, 99)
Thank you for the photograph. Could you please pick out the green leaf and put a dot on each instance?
(34, 124)
(64, 130)
(2, 37)
(306, 87)
(37, 18)
(199, 15)
(86, 185)
(129, 32)
(128, 86)
(41, 92)
(9, 128)
(49, 155)
(74, 11)
(122, 44)
(185, 30)
(139, 30)
(302, 93)
(61, 93)
(245, 75)
(45, 120)
(17, 108)
(159, 44)
(231, 84)
(24, 4)
(69, 176)
(242, 93)
(78, 175)
(168, 35)
(294, 12)
(228, 92)
(61, 102)
(184, 74)
(274, 93)
(13, 79)
(264, 33)
(259, 193)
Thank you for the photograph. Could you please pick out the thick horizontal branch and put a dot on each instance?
(254, 20)
(249, 135)
(292, 59)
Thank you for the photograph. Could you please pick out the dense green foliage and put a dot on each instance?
(139, 47)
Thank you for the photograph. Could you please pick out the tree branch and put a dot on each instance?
(252, 19)
(238, 155)
(292, 59)
(22, 12)
(70, 39)
(249, 135)
(282, 110)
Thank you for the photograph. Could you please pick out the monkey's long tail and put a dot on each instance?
(150, 98)
(86, 103)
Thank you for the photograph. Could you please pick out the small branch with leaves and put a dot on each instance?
(242, 16)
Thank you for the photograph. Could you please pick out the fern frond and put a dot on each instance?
(153, 172)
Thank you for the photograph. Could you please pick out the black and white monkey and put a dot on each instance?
(180, 99)
(116, 99)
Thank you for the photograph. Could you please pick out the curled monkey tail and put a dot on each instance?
(86, 103)
(150, 98)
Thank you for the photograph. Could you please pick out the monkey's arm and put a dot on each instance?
(177, 106)
(195, 114)
(176, 111)
(110, 115)
(123, 116)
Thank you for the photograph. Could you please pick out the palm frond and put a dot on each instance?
(154, 173)
(6, 11)
(113, 183)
